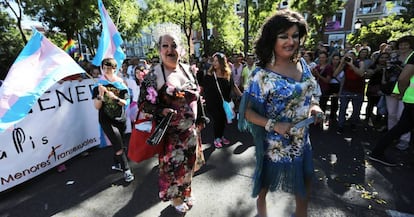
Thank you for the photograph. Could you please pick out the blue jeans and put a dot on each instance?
(345, 97)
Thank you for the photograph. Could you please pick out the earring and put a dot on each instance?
(272, 60)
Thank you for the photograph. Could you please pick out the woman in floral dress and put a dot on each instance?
(281, 93)
(170, 87)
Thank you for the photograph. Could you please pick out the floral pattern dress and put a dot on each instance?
(285, 160)
(178, 158)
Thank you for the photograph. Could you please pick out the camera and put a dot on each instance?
(347, 59)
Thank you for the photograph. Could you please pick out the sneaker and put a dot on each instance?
(128, 176)
(382, 159)
(117, 167)
(225, 141)
(403, 145)
(340, 130)
(217, 143)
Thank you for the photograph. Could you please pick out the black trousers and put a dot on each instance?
(218, 116)
(114, 130)
(404, 125)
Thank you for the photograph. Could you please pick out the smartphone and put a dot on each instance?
(347, 59)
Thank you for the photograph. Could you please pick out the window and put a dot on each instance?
(339, 17)
(283, 4)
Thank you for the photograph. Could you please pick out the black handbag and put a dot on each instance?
(160, 130)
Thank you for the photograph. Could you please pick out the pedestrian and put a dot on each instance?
(395, 106)
(352, 89)
(219, 76)
(133, 85)
(170, 87)
(323, 73)
(111, 96)
(375, 73)
(335, 87)
(309, 58)
(282, 92)
(248, 69)
(406, 121)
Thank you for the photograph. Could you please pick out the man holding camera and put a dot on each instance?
(352, 90)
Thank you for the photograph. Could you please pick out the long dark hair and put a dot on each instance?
(278, 23)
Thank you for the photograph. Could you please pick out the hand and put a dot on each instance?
(283, 128)
(101, 89)
(111, 95)
(318, 113)
(165, 111)
(201, 122)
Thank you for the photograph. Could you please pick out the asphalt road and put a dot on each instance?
(345, 184)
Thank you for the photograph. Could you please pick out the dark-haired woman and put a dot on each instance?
(218, 74)
(282, 92)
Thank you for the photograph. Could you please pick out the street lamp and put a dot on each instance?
(358, 24)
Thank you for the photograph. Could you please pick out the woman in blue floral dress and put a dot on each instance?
(281, 93)
(171, 87)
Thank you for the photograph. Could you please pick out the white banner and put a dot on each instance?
(62, 124)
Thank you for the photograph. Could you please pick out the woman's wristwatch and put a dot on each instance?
(270, 125)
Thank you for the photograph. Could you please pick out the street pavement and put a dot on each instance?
(346, 183)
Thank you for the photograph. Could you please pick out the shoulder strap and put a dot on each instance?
(163, 73)
(185, 72)
(409, 56)
(218, 86)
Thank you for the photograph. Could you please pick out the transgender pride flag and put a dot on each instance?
(39, 65)
(110, 41)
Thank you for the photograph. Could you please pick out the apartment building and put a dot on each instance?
(357, 13)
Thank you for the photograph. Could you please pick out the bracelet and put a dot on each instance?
(270, 125)
(99, 97)
(117, 100)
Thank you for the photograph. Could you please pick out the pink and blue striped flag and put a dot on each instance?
(110, 41)
(39, 66)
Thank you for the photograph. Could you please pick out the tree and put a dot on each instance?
(9, 46)
(258, 15)
(227, 25)
(17, 14)
(71, 17)
(383, 30)
(408, 13)
(202, 7)
(318, 14)
(215, 13)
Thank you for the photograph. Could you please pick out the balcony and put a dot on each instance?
(371, 8)
(370, 11)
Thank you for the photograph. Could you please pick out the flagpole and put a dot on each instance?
(79, 45)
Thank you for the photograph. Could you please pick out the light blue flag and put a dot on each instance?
(110, 41)
(39, 66)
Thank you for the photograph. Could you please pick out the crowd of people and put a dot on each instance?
(272, 89)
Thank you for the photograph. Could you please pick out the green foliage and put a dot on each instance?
(409, 12)
(220, 15)
(318, 14)
(257, 17)
(383, 30)
(70, 17)
(228, 25)
(10, 47)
